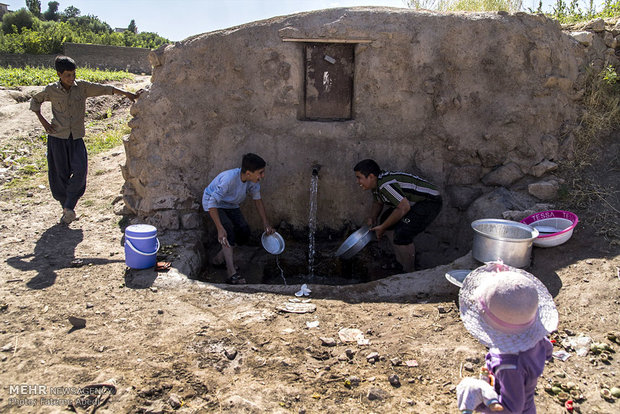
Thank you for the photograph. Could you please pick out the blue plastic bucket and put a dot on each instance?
(141, 246)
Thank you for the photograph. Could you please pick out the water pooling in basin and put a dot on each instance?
(309, 257)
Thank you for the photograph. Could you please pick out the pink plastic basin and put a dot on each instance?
(563, 221)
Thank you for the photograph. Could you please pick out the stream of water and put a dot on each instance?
(281, 270)
(314, 186)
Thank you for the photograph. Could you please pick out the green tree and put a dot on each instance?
(89, 23)
(16, 21)
(132, 26)
(31, 35)
(70, 12)
(52, 11)
(34, 6)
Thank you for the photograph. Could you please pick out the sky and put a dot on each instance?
(178, 19)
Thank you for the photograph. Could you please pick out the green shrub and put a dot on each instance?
(467, 5)
(483, 5)
(10, 77)
(15, 21)
(565, 11)
(48, 37)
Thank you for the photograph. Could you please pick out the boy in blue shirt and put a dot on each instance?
(221, 199)
(67, 159)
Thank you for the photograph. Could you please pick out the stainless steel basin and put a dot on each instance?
(503, 239)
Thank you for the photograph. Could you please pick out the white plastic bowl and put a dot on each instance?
(456, 277)
(563, 222)
(273, 243)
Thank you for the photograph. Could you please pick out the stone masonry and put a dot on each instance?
(482, 104)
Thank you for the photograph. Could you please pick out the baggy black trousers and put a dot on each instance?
(67, 163)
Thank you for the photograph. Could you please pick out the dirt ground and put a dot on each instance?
(175, 345)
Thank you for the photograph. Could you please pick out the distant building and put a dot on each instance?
(122, 29)
(4, 8)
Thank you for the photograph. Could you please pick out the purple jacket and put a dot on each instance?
(516, 376)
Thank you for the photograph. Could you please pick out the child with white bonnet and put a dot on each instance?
(511, 312)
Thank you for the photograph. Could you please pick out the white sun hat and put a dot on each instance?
(506, 308)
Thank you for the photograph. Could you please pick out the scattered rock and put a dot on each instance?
(543, 168)
(394, 380)
(327, 341)
(350, 335)
(343, 358)
(443, 309)
(77, 323)
(473, 359)
(597, 25)
(544, 190)
(312, 324)
(504, 175)
(583, 37)
(349, 353)
(375, 393)
(230, 353)
(297, 307)
(353, 381)
(175, 401)
(372, 357)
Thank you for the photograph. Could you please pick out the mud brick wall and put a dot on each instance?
(21, 60)
(131, 59)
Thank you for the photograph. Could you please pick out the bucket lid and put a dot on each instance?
(140, 230)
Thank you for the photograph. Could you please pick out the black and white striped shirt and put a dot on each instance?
(393, 186)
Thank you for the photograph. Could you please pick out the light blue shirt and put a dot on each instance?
(228, 191)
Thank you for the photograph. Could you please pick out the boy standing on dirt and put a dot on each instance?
(414, 204)
(222, 199)
(66, 153)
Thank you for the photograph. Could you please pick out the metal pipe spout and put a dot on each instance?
(315, 169)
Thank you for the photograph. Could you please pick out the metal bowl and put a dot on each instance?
(355, 242)
(507, 240)
(273, 243)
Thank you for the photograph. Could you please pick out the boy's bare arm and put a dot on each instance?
(375, 210)
(399, 212)
(129, 95)
(49, 128)
(221, 231)
(260, 207)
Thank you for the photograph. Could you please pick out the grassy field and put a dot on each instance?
(37, 76)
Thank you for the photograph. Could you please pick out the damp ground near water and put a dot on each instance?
(257, 266)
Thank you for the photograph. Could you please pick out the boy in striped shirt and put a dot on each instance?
(413, 203)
